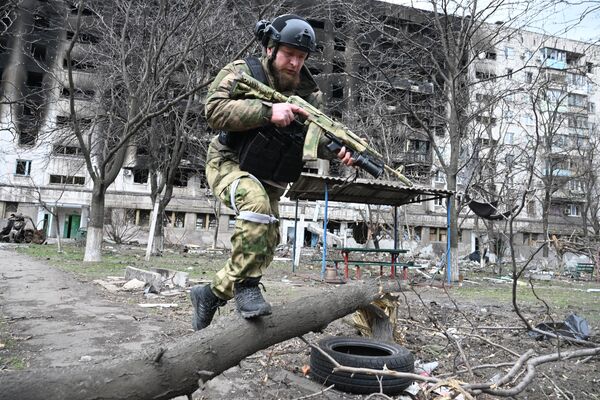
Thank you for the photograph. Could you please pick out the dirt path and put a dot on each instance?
(53, 319)
(56, 320)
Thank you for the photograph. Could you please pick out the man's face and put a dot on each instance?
(286, 66)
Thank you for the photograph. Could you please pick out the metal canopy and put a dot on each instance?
(360, 190)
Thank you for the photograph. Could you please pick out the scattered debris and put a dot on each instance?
(541, 275)
(159, 305)
(425, 369)
(106, 285)
(305, 370)
(153, 279)
(173, 292)
(498, 280)
(173, 278)
(134, 284)
(413, 390)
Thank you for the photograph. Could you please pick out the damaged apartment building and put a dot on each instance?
(372, 83)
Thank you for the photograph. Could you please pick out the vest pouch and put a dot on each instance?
(290, 167)
(260, 154)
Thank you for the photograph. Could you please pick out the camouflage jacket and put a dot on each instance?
(241, 114)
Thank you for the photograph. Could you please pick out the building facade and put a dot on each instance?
(549, 88)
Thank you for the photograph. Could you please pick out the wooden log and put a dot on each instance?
(164, 373)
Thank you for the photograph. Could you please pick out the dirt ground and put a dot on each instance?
(53, 318)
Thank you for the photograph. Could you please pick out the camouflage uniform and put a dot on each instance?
(256, 203)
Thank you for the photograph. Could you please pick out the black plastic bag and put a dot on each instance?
(573, 327)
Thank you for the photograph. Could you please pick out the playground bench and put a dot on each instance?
(585, 268)
(368, 263)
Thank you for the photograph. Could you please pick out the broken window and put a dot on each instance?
(485, 75)
(181, 178)
(528, 77)
(417, 146)
(174, 219)
(338, 66)
(340, 21)
(81, 94)
(143, 217)
(130, 216)
(78, 65)
(27, 137)
(490, 55)
(337, 91)
(205, 221)
(67, 180)
(40, 22)
(64, 150)
(23, 168)
(140, 176)
(578, 100)
(10, 207)
(439, 131)
(179, 220)
(437, 234)
(62, 120)
(28, 110)
(339, 44)
(315, 70)
(38, 52)
(316, 24)
(530, 238)
(34, 79)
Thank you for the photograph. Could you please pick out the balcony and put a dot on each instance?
(555, 78)
(579, 132)
(411, 157)
(413, 86)
(557, 172)
(554, 64)
(566, 194)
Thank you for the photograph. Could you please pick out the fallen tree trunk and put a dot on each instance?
(164, 373)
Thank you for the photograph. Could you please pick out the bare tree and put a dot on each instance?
(143, 48)
(421, 69)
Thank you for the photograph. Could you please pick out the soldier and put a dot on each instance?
(256, 154)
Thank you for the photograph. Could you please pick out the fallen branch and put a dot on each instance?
(531, 371)
(320, 392)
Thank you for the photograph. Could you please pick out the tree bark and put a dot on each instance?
(546, 220)
(95, 232)
(174, 370)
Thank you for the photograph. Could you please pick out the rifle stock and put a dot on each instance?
(320, 125)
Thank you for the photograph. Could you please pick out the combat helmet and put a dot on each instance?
(288, 29)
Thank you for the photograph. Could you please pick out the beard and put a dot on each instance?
(283, 81)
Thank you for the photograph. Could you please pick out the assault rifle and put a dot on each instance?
(320, 124)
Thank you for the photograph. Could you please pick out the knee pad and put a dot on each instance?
(250, 201)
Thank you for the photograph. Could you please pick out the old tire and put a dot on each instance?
(361, 353)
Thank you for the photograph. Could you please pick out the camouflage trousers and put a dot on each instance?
(256, 228)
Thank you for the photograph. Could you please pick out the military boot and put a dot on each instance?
(205, 305)
(249, 300)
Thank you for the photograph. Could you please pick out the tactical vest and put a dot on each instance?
(269, 152)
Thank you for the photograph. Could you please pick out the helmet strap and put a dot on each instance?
(273, 54)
